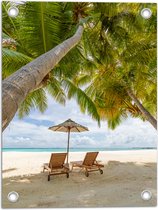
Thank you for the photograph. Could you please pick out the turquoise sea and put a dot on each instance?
(71, 149)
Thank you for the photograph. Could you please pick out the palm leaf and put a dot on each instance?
(54, 88)
(35, 100)
(85, 103)
(12, 61)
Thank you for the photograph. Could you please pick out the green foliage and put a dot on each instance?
(39, 27)
(86, 104)
(36, 100)
(117, 51)
(12, 61)
(54, 88)
(124, 51)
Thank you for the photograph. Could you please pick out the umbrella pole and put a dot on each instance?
(68, 145)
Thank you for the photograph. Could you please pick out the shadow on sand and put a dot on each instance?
(8, 170)
(120, 186)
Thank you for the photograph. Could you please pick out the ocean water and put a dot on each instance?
(71, 149)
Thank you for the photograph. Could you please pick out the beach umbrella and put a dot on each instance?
(68, 126)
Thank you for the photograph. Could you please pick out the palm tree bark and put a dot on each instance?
(16, 87)
(146, 114)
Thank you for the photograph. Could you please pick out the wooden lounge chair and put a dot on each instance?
(89, 163)
(56, 165)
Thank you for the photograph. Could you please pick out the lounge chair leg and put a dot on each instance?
(101, 171)
(86, 173)
(67, 175)
(48, 177)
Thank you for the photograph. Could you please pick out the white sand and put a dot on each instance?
(126, 175)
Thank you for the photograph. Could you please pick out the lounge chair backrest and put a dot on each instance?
(57, 160)
(90, 158)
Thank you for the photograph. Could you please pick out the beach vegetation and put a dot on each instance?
(101, 54)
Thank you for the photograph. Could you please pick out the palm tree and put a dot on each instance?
(125, 55)
(35, 74)
(109, 32)
(124, 66)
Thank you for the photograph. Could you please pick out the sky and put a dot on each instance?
(32, 131)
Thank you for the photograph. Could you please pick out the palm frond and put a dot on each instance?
(54, 88)
(113, 123)
(35, 100)
(40, 20)
(82, 80)
(12, 61)
(85, 103)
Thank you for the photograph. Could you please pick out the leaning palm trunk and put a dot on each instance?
(16, 87)
(146, 114)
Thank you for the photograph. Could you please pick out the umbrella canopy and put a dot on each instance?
(68, 126)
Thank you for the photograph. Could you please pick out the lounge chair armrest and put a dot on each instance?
(98, 161)
(98, 164)
(45, 166)
(66, 166)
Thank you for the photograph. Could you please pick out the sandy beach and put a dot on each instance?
(126, 175)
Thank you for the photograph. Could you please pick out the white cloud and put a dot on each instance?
(22, 133)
